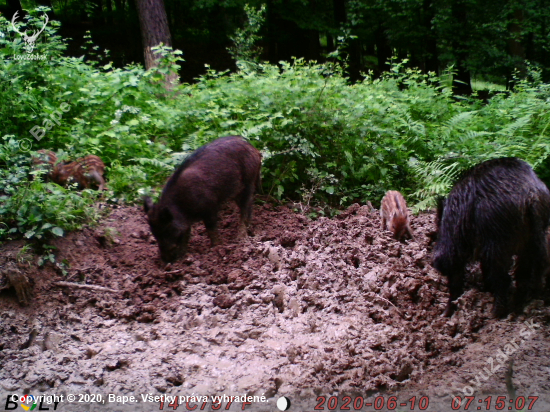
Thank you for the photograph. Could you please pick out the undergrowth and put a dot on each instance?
(322, 139)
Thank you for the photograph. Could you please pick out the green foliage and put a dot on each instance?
(244, 40)
(310, 124)
(514, 125)
(33, 209)
(323, 140)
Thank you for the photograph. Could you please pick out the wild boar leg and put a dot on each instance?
(211, 224)
(532, 262)
(456, 288)
(495, 270)
(245, 203)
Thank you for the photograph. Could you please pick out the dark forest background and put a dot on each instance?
(482, 39)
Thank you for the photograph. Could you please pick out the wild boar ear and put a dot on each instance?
(147, 204)
(165, 216)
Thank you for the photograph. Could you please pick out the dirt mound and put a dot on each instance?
(303, 308)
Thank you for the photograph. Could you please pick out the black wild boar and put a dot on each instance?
(227, 168)
(395, 216)
(496, 210)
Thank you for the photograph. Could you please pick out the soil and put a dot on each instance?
(303, 309)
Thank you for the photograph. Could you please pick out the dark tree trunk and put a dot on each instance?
(462, 81)
(330, 42)
(154, 28)
(99, 17)
(132, 31)
(354, 45)
(287, 40)
(339, 7)
(13, 6)
(354, 50)
(431, 60)
(119, 6)
(383, 49)
(313, 47)
(515, 46)
(109, 5)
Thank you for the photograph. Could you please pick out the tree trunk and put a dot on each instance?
(431, 60)
(462, 82)
(119, 6)
(154, 28)
(339, 9)
(354, 49)
(109, 5)
(98, 17)
(13, 6)
(354, 45)
(383, 49)
(515, 46)
(313, 46)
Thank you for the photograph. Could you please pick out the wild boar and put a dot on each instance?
(227, 168)
(86, 171)
(395, 216)
(496, 210)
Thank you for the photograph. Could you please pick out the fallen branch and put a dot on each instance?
(386, 300)
(173, 272)
(90, 287)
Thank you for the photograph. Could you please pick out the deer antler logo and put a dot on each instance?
(29, 40)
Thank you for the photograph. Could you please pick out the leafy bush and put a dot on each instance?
(33, 209)
(514, 125)
(322, 138)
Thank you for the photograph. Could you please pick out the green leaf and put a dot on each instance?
(57, 231)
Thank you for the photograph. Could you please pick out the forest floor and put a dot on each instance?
(302, 309)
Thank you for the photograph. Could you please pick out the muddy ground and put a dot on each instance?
(304, 308)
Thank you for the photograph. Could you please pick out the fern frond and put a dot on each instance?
(454, 122)
(155, 163)
(437, 178)
(519, 126)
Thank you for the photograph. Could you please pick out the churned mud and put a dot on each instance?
(302, 309)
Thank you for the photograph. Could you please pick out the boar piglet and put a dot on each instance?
(227, 168)
(44, 160)
(86, 171)
(395, 216)
(497, 210)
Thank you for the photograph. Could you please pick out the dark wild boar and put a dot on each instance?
(86, 171)
(496, 210)
(395, 216)
(227, 168)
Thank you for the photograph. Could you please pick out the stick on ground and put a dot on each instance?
(90, 287)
